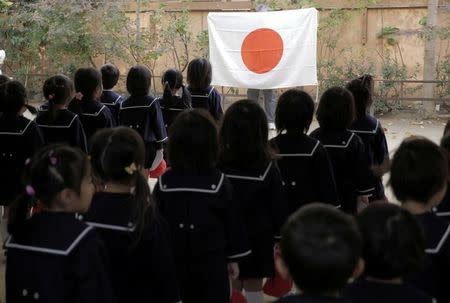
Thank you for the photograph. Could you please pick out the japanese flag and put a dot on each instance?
(263, 50)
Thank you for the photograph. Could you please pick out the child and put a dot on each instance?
(320, 250)
(136, 237)
(93, 114)
(419, 175)
(52, 256)
(443, 209)
(110, 77)
(142, 112)
(171, 103)
(369, 129)
(393, 248)
(247, 160)
(197, 201)
(58, 124)
(199, 76)
(3, 80)
(20, 138)
(354, 180)
(303, 161)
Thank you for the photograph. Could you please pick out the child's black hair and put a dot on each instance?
(244, 136)
(14, 98)
(419, 170)
(447, 128)
(393, 241)
(445, 144)
(87, 82)
(57, 90)
(139, 79)
(51, 170)
(295, 111)
(193, 144)
(110, 75)
(361, 96)
(118, 155)
(172, 79)
(199, 74)
(336, 109)
(4, 79)
(321, 247)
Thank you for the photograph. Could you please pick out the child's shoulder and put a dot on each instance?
(295, 145)
(367, 124)
(14, 124)
(259, 174)
(210, 182)
(437, 232)
(341, 139)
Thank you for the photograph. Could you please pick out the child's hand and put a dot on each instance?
(233, 270)
(361, 203)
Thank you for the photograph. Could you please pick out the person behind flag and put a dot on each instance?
(93, 115)
(369, 129)
(320, 250)
(141, 112)
(352, 174)
(304, 162)
(57, 124)
(419, 176)
(171, 102)
(110, 77)
(205, 220)
(248, 161)
(123, 212)
(393, 249)
(199, 76)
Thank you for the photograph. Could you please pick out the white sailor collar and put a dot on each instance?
(169, 182)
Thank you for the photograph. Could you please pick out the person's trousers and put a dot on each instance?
(270, 101)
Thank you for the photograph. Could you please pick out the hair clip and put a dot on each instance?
(50, 97)
(79, 95)
(27, 161)
(30, 190)
(131, 169)
(52, 158)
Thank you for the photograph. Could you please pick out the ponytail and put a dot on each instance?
(142, 205)
(167, 95)
(186, 97)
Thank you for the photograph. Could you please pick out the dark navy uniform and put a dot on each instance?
(265, 208)
(207, 232)
(112, 100)
(352, 173)
(94, 116)
(433, 279)
(208, 99)
(371, 132)
(56, 258)
(142, 266)
(65, 128)
(20, 138)
(143, 114)
(310, 299)
(363, 291)
(443, 209)
(306, 170)
(171, 111)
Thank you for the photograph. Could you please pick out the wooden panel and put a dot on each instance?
(196, 6)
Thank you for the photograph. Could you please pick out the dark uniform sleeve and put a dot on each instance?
(78, 137)
(381, 148)
(89, 266)
(278, 201)
(237, 245)
(109, 121)
(363, 176)
(35, 139)
(157, 123)
(324, 177)
(215, 106)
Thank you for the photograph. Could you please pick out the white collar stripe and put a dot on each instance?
(112, 227)
(374, 131)
(17, 133)
(342, 146)
(187, 189)
(59, 126)
(94, 114)
(441, 242)
(301, 155)
(260, 178)
(248, 252)
(66, 252)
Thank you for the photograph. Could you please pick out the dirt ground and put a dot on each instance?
(397, 126)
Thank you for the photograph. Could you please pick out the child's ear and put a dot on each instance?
(281, 266)
(359, 269)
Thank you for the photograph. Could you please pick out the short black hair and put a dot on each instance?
(445, 144)
(244, 136)
(295, 111)
(139, 80)
(447, 128)
(199, 73)
(87, 81)
(321, 247)
(418, 170)
(361, 96)
(110, 75)
(4, 79)
(193, 141)
(336, 109)
(393, 241)
(59, 87)
(14, 96)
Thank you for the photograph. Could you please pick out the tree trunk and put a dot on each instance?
(429, 58)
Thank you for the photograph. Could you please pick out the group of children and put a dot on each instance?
(232, 209)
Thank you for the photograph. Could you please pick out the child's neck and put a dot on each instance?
(59, 106)
(395, 281)
(415, 207)
(117, 188)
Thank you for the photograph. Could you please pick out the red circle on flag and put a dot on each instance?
(262, 50)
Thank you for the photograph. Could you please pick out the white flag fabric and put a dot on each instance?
(264, 50)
